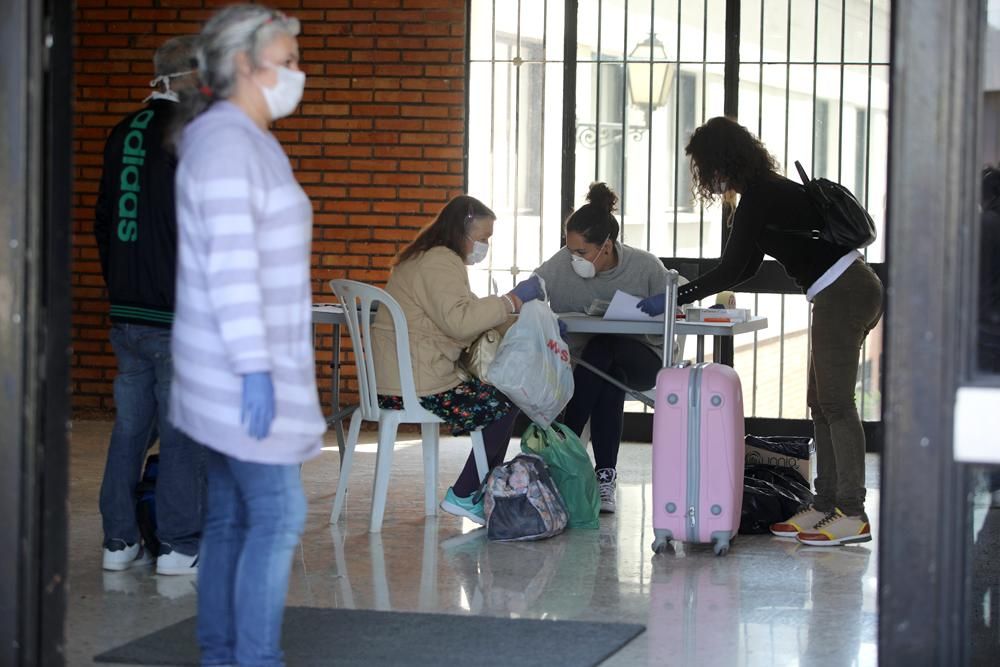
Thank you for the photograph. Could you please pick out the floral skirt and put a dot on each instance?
(466, 408)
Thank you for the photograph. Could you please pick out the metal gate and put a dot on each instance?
(563, 93)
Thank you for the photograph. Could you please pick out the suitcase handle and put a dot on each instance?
(669, 315)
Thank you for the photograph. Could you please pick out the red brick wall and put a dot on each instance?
(377, 142)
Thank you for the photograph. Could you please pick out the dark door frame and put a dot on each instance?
(36, 178)
(933, 190)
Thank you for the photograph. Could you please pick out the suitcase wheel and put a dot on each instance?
(720, 546)
(660, 545)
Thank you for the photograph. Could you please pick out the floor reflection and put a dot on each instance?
(769, 602)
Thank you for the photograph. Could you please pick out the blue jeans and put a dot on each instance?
(142, 395)
(256, 513)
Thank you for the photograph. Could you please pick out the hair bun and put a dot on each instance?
(601, 196)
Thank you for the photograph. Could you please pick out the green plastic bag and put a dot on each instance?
(570, 468)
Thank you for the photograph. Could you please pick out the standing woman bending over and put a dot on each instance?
(594, 264)
(431, 283)
(846, 298)
(244, 382)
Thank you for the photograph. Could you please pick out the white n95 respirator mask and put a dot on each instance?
(584, 267)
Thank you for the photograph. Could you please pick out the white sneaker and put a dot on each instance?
(119, 556)
(837, 529)
(805, 519)
(174, 562)
(607, 481)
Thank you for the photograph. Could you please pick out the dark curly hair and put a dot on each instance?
(448, 229)
(724, 149)
(595, 220)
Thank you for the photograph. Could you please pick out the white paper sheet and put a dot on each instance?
(623, 307)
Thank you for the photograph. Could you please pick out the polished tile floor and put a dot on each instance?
(769, 602)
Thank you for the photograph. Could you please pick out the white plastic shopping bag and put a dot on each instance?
(532, 365)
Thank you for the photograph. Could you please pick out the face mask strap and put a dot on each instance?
(165, 80)
(470, 218)
(600, 249)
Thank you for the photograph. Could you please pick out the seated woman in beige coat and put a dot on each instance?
(431, 284)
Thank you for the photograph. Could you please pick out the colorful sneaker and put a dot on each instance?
(804, 519)
(607, 481)
(120, 556)
(464, 507)
(837, 529)
(174, 562)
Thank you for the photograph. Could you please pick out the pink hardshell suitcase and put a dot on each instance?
(698, 449)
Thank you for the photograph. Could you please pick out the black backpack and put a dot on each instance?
(846, 223)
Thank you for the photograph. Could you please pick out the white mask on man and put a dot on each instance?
(478, 254)
(286, 94)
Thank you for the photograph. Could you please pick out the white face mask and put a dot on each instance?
(286, 93)
(585, 268)
(478, 254)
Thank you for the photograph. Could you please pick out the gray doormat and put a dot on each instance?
(360, 637)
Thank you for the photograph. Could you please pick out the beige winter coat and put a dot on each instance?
(443, 317)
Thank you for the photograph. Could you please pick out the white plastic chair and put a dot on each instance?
(359, 301)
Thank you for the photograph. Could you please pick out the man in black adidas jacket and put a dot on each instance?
(136, 234)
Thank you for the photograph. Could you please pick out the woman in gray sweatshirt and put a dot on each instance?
(593, 265)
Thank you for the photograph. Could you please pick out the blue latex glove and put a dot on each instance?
(562, 329)
(528, 290)
(653, 305)
(257, 408)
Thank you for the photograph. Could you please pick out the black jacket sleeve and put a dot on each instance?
(104, 210)
(741, 258)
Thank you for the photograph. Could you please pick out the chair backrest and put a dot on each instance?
(360, 301)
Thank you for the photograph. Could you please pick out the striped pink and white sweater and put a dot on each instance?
(244, 302)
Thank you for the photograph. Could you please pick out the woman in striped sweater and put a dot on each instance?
(244, 376)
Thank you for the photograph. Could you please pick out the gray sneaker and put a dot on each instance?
(607, 482)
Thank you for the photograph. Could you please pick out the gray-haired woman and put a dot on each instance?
(244, 375)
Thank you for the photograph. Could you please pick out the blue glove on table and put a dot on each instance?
(528, 290)
(653, 305)
(257, 407)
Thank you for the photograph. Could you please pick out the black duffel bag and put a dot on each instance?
(771, 494)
